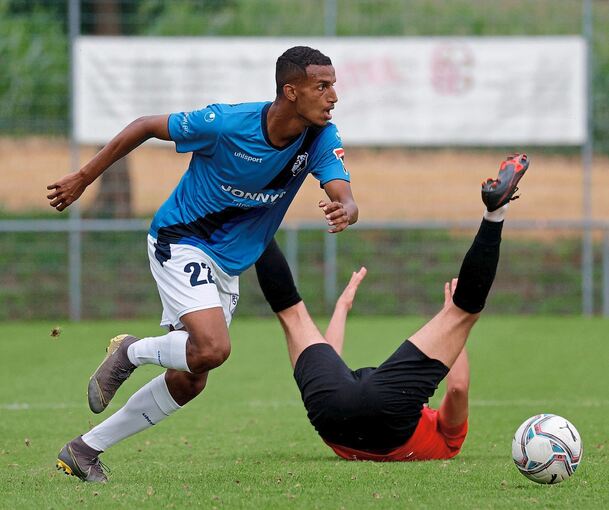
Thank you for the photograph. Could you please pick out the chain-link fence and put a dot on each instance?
(93, 265)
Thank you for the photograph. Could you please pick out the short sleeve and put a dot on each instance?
(198, 130)
(329, 161)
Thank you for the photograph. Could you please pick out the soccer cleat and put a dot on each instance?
(78, 459)
(498, 192)
(113, 371)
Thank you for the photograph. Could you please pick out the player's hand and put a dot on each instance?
(348, 296)
(449, 290)
(336, 216)
(66, 190)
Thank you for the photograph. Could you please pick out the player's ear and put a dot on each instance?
(289, 91)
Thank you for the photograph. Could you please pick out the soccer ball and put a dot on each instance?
(547, 448)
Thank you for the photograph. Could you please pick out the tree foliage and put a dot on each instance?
(34, 78)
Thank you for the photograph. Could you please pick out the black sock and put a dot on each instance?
(479, 268)
(275, 279)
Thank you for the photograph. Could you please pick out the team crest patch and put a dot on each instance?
(300, 164)
(234, 299)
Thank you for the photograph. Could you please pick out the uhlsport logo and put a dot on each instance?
(300, 164)
(247, 157)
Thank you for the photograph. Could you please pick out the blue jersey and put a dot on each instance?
(238, 186)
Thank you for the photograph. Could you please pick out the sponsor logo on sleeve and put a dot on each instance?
(184, 123)
(340, 155)
(209, 117)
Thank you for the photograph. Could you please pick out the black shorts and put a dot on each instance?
(371, 409)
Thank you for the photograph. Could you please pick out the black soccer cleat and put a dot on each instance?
(498, 192)
(80, 460)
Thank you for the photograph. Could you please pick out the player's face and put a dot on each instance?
(316, 95)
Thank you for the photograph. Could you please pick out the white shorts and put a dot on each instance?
(190, 280)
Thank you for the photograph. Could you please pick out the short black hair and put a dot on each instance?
(292, 65)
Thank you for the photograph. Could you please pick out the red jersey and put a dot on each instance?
(430, 441)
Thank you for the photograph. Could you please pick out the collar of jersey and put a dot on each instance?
(265, 133)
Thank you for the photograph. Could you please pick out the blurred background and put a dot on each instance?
(71, 70)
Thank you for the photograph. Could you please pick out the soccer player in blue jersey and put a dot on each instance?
(248, 162)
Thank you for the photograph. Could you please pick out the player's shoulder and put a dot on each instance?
(328, 137)
(238, 109)
(240, 117)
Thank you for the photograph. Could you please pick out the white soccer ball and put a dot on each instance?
(547, 448)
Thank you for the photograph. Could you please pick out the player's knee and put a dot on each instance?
(218, 355)
(196, 386)
(210, 355)
(184, 386)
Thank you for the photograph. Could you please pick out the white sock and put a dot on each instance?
(497, 215)
(146, 407)
(167, 351)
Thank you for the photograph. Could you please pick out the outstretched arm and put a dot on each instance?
(335, 333)
(69, 188)
(454, 408)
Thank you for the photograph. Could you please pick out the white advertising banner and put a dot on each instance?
(392, 91)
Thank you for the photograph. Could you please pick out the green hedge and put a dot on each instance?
(406, 272)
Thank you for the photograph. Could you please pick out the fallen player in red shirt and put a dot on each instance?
(381, 414)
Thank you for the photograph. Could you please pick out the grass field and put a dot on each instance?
(246, 443)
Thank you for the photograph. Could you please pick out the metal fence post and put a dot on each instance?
(330, 249)
(587, 242)
(606, 274)
(330, 17)
(75, 234)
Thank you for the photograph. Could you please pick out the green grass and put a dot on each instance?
(246, 442)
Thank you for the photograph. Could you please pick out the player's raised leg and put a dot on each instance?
(300, 330)
(444, 336)
(277, 284)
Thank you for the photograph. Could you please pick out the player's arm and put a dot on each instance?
(341, 211)
(454, 408)
(335, 333)
(69, 188)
